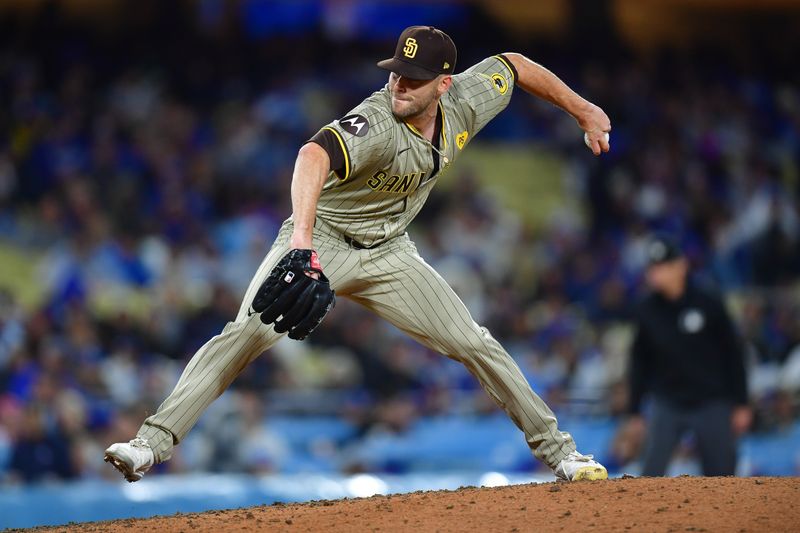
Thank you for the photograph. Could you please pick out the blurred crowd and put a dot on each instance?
(150, 178)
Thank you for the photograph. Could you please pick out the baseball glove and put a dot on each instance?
(293, 300)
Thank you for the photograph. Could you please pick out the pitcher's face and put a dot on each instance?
(411, 97)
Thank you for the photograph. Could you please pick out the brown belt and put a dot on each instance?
(357, 245)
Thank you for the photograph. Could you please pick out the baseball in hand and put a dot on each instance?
(588, 143)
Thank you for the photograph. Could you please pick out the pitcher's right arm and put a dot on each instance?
(310, 172)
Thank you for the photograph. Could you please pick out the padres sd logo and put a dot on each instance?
(499, 82)
(410, 49)
(461, 139)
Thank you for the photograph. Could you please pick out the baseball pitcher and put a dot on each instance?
(356, 186)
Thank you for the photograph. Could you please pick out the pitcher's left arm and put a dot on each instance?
(539, 81)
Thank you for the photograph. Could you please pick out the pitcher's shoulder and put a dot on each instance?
(373, 116)
(496, 72)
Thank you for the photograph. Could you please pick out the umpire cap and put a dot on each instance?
(662, 249)
(422, 53)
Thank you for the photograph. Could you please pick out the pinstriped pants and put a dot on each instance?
(394, 282)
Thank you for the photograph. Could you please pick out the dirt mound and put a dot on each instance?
(678, 504)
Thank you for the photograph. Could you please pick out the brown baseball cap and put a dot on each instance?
(422, 53)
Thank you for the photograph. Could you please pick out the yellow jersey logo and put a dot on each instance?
(410, 49)
(499, 82)
(461, 139)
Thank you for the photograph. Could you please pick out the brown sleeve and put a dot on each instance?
(510, 66)
(327, 140)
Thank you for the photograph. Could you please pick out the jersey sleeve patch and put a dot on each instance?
(355, 124)
(500, 83)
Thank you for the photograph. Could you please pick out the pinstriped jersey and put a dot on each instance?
(390, 168)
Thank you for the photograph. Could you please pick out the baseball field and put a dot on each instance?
(399, 265)
(634, 504)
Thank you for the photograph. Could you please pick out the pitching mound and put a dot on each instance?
(679, 504)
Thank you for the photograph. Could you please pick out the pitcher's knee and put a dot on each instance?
(469, 345)
(249, 334)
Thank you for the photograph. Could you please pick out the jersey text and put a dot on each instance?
(382, 181)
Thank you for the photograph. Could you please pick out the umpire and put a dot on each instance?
(687, 357)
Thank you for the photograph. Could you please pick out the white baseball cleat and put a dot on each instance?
(132, 458)
(578, 467)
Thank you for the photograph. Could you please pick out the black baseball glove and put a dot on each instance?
(291, 299)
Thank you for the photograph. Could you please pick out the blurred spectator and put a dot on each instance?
(40, 452)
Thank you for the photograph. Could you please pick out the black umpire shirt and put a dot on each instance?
(686, 352)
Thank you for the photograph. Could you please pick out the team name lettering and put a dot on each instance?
(383, 182)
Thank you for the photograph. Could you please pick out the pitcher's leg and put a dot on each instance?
(414, 297)
(209, 373)
(213, 367)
